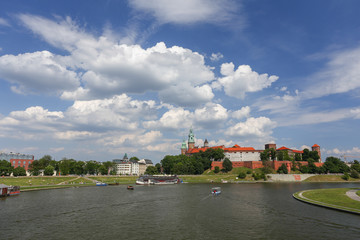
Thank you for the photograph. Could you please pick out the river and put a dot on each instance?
(184, 211)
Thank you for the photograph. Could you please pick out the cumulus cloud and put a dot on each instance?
(187, 11)
(252, 128)
(237, 82)
(244, 112)
(216, 57)
(353, 151)
(106, 67)
(210, 116)
(173, 119)
(38, 72)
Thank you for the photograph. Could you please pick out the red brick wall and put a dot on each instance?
(21, 163)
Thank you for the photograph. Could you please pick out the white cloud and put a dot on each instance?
(353, 151)
(356, 113)
(173, 119)
(38, 72)
(187, 11)
(216, 57)
(340, 75)
(164, 147)
(210, 116)
(74, 135)
(243, 79)
(244, 112)
(253, 128)
(283, 89)
(108, 68)
(4, 22)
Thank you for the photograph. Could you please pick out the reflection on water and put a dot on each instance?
(187, 211)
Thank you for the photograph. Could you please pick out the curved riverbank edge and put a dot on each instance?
(298, 196)
(54, 187)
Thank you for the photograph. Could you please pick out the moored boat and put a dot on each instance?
(130, 188)
(157, 180)
(6, 190)
(99, 184)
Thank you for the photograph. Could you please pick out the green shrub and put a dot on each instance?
(354, 174)
(217, 169)
(345, 176)
(242, 175)
(248, 171)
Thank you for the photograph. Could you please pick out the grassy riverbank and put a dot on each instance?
(330, 178)
(333, 198)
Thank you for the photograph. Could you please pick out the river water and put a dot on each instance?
(184, 211)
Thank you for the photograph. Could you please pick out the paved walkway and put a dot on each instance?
(352, 194)
(68, 181)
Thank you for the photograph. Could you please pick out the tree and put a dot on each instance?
(49, 171)
(217, 169)
(151, 170)
(158, 167)
(134, 159)
(354, 174)
(103, 170)
(280, 156)
(335, 165)
(305, 154)
(283, 169)
(242, 175)
(91, 167)
(19, 171)
(297, 157)
(5, 168)
(314, 155)
(227, 165)
(356, 166)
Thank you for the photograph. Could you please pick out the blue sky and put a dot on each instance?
(97, 79)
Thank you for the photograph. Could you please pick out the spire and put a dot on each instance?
(183, 145)
(191, 136)
(125, 157)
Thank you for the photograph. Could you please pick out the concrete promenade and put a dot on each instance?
(352, 194)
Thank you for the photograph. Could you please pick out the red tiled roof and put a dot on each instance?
(285, 148)
(315, 145)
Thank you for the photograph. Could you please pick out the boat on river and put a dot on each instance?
(6, 190)
(130, 188)
(100, 184)
(157, 180)
(215, 191)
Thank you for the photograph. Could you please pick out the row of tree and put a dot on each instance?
(283, 155)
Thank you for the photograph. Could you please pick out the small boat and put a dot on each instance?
(9, 190)
(130, 188)
(99, 184)
(215, 191)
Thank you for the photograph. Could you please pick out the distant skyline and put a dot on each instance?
(93, 80)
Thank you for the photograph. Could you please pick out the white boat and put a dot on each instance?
(157, 180)
(215, 191)
(101, 184)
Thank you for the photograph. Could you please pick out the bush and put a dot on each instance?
(19, 171)
(266, 170)
(354, 174)
(345, 176)
(242, 175)
(256, 176)
(49, 171)
(248, 171)
(283, 169)
(217, 169)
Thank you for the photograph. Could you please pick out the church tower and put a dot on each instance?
(191, 139)
(206, 143)
(183, 147)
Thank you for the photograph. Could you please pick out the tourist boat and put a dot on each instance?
(99, 184)
(157, 180)
(6, 190)
(130, 188)
(215, 191)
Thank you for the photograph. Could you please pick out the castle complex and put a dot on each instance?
(244, 156)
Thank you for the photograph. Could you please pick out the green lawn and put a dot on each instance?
(115, 179)
(335, 197)
(329, 178)
(34, 181)
(358, 193)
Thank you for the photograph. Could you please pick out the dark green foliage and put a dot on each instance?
(242, 175)
(103, 170)
(266, 170)
(345, 176)
(335, 165)
(19, 171)
(305, 154)
(356, 166)
(227, 165)
(256, 176)
(297, 157)
(280, 156)
(151, 170)
(304, 169)
(265, 155)
(283, 169)
(49, 170)
(217, 169)
(134, 159)
(314, 155)
(5, 168)
(354, 174)
(158, 167)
